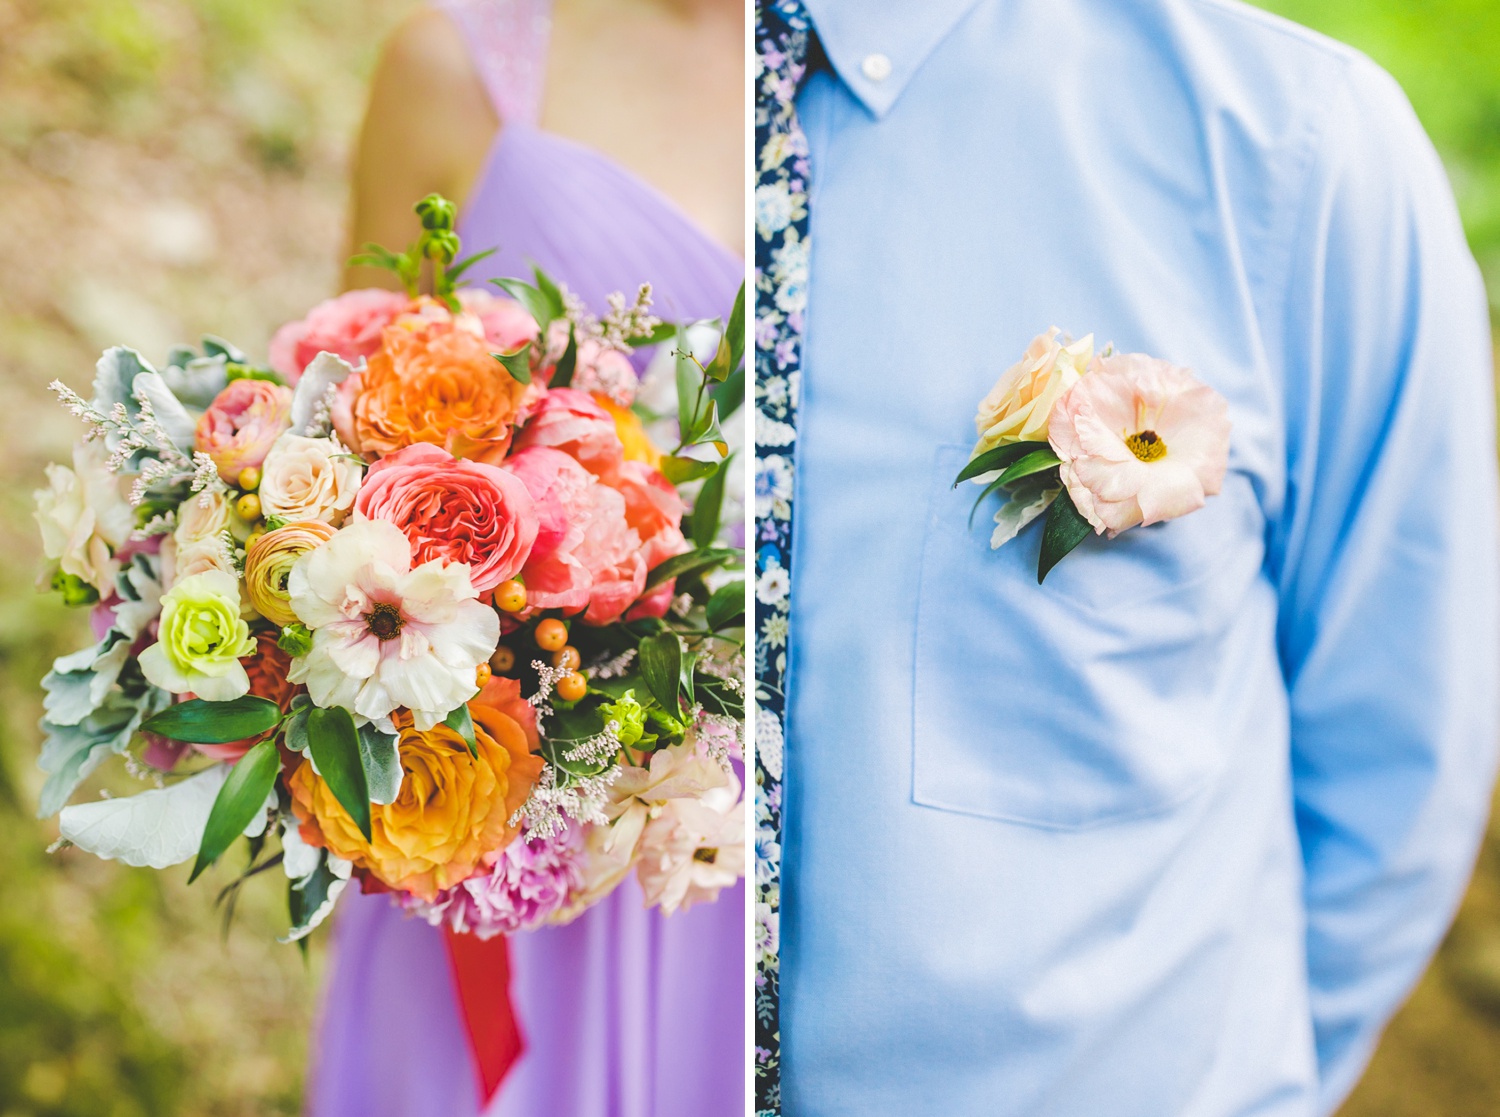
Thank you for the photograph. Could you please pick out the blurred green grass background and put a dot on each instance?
(170, 167)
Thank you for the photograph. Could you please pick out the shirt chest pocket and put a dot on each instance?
(1088, 699)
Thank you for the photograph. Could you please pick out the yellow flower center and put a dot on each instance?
(384, 621)
(708, 854)
(1147, 445)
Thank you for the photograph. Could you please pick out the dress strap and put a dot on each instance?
(508, 42)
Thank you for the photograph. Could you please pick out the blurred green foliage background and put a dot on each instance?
(172, 167)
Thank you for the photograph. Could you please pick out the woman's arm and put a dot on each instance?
(428, 127)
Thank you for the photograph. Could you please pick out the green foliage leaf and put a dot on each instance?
(998, 458)
(689, 380)
(562, 376)
(734, 330)
(243, 794)
(729, 395)
(460, 266)
(692, 562)
(660, 659)
(536, 301)
(461, 722)
(310, 899)
(1035, 462)
(333, 745)
(1065, 529)
(703, 521)
(680, 470)
(380, 756)
(517, 362)
(726, 606)
(214, 723)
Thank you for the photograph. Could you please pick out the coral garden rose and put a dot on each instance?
(435, 384)
(451, 817)
(242, 424)
(85, 517)
(200, 639)
(1019, 405)
(348, 326)
(268, 566)
(1141, 441)
(571, 421)
(267, 667)
(460, 511)
(309, 479)
(653, 509)
(386, 634)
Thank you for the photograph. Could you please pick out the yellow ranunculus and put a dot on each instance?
(1019, 405)
(269, 562)
(633, 436)
(453, 811)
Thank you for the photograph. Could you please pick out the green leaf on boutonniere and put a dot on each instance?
(660, 659)
(998, 458)
(517, 362)
(1034, 462)
(1065, 529)
(333, 744)
(243, 794)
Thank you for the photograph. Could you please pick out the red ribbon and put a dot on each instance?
(481, 974)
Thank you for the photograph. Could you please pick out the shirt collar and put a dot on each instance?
(876, 46)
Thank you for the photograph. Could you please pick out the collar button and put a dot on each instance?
(875, 67)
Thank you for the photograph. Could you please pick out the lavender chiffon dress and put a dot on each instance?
(625, 1013)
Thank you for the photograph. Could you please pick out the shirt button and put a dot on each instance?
(876, 67)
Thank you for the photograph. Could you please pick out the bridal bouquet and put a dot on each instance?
(419, 604)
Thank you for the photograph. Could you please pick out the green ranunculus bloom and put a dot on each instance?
(201, 639)
(629, 715)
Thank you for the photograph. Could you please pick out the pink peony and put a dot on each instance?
(569, 420)
(348, 326)
(505, 322)
(1141, 441)
(653, 508)
(587, 556)
(242, 424)
(532, 880)
(459, 511)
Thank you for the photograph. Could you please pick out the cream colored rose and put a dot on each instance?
(84, 517)
(183, 560)
(1017, 407)
(201, 517)
(308, 479)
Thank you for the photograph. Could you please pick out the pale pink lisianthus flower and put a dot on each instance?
(692, 850)
(1141, 441)
(386, 635)
(569, 420)
(242, 424)
(349, 326)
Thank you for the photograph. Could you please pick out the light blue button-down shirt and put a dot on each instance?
(1173, 834)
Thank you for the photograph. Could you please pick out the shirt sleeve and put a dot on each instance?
(1386, 560)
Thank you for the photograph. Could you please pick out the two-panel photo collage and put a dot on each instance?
(749, 558)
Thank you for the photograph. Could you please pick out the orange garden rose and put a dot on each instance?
(452, 816)
(432, 380)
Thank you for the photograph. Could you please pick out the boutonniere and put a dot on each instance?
(1099, 443)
